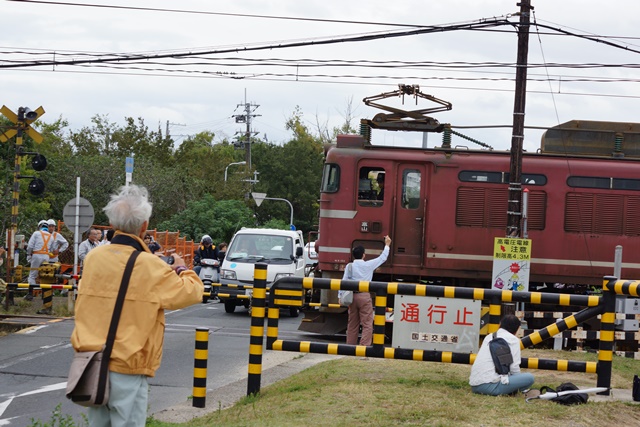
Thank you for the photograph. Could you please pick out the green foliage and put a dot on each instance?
(186, 183)
(294, 172)
(60, 420)
(219, 219)
(277, 224)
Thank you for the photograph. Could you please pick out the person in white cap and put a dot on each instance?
(38, 250)
(58, 242)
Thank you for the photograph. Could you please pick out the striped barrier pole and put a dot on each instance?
(607, 333)
(495, 310)
(258, 304)
(47, 302)
(379, 323)
(201, 355)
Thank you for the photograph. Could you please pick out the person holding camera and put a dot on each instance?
(151, 243)
(154, 287)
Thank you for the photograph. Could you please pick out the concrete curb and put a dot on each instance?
(227, 395)
(616, 395)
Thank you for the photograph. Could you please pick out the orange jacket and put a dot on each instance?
(153, 287)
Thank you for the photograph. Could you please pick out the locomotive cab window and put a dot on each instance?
(371, 186)
(330, 178)
(411, 189)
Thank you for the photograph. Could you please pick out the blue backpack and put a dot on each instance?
(501, 354)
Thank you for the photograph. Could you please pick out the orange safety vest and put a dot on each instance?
(45, 248)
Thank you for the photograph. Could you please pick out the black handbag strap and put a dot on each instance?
(115, 319)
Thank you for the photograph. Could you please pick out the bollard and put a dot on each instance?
(607, 333)
(258, 304)
(47, 302)
(201, 356)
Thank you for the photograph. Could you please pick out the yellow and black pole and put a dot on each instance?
(258, 304)
(200, 368)
(607, 333)
(47, 273)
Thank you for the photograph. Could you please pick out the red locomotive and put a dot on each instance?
(444, 206)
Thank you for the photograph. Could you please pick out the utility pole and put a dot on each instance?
(172, 124)
(246, 118)
(514, 208)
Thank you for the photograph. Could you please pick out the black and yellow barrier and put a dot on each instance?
(201, 356)
(258, 311)
(290, 291)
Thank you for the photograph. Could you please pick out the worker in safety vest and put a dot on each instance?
(58, 242)
(38, 250)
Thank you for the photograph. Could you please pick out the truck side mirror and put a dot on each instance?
(299, 252)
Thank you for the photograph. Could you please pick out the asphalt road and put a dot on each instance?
(34, 363)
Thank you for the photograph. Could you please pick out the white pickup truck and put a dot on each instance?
(281, 250)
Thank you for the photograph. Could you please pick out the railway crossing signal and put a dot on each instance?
(22, 122)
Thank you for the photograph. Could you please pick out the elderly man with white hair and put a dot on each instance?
(154, 287)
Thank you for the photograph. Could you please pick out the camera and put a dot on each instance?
(168, 259)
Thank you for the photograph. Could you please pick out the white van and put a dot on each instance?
(281, 250)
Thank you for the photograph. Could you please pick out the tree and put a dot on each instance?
(293, 172)
(327, 136)
(219, 219)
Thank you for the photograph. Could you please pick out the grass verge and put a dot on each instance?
(378, 392)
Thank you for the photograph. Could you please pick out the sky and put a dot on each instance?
(199, 92)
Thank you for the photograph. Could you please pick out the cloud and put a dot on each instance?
(78, 93)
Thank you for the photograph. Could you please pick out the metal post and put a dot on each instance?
(617, 262)
(76, 233)
(231, 164)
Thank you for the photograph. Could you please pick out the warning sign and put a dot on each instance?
(511, 264)
(432, 323)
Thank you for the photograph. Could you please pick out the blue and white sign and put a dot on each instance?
(128, 167)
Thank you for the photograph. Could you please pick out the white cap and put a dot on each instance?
(41, 223)
(51, 222)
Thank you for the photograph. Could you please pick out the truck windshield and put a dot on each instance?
(261, 248)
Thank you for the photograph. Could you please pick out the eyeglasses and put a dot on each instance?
(147, 238)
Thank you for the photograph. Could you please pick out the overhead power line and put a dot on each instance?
(239, 15)
(278, 45)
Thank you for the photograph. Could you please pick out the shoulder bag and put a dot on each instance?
(88, 381)
(346, 297)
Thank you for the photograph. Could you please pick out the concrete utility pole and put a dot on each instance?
(246, 118)
(514, 208)
(167, 135)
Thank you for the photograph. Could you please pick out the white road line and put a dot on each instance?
(35, 355)
(52, 387)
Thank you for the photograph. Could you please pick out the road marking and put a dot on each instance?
(35, 355)
(53, 387)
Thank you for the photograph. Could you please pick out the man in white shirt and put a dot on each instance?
(361, 309)
(89, 244)
(58, 242)
(484, 379)
(38, 250)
